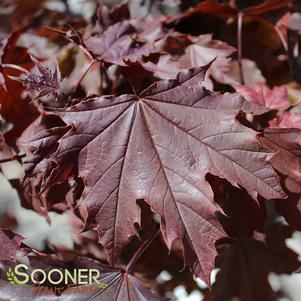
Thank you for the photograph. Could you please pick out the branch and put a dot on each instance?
(13, 158)
(13, 66)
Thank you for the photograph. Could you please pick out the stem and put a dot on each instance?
(13, 66)
(12, 159)
(239, 47)
(141, 250)
(101, 77)
(85, 51)
(84, 74)
(63, 33)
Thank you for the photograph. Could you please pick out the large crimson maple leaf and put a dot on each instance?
(158, 146)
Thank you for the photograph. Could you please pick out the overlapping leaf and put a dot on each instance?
(253, 261)
(261, 94)
(107, 17)
(287, 120)
(202, 51)
(287, 160)
(124, 41)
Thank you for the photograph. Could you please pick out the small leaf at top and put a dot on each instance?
(45, 83)
(125, 42)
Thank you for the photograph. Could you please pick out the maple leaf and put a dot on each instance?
(115, 43)
(239, 209)
(126, 287)
(230, 9)
(46, 83)
(287, 120)
(252, 74)
(204, 50)
(268, 7)
(107, 17)
(45, 142)
(48, 130)
(124, 41)
(159, 146)
(287, 160)
(253, 261)
(24, 12)
(261, 94)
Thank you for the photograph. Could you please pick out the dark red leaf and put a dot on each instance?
(107, 17)
(45, 83)
(14, 107)
(261, 94)
(287, 120)
(239, 208)
(268, 7)
(10, 247)
(123, 41)
(25, 11)
(287, 160)
(2, 80)
(158, 146)
(291, 209)
(245, 266)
